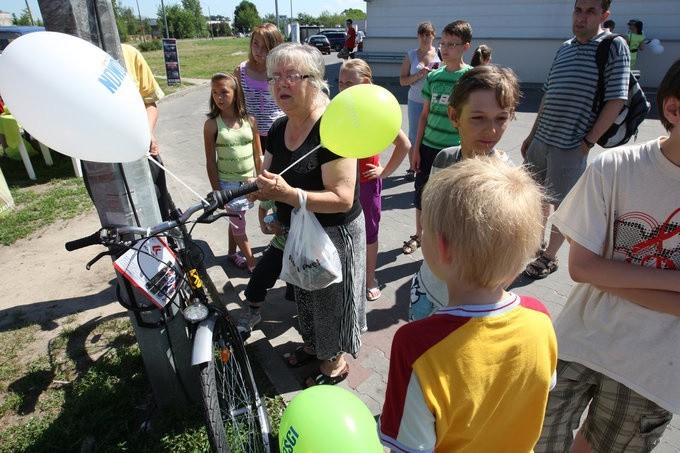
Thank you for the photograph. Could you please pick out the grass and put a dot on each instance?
(89, 389)
(56, 195)
(201, 58)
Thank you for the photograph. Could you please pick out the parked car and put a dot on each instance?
(11, 32)
(321, 42)
(336, 38)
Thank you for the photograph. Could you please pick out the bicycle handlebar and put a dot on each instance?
(94, 238)
(216, 199)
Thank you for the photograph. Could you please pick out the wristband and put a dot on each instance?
(589, 144)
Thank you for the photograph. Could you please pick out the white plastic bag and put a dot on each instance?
(310, 260)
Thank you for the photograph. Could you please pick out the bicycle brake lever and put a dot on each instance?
(213, 217)
(97, 258)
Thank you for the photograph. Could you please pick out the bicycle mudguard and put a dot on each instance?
(203, 340)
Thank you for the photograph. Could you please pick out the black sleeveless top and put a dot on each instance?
(306, 174)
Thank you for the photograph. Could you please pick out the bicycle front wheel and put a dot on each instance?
(236, 415)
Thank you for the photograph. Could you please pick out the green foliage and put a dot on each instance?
(147, 46)
(354, 14)
(306, 19)
(26, 18)
(328, 19)
(246, 17)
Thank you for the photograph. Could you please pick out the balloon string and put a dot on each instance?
(296, 162)
(148, 156)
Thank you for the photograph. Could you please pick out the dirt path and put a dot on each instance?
(46, 285)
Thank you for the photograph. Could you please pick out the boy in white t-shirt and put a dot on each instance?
(619, 332)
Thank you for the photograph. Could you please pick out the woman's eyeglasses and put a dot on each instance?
(291, 79)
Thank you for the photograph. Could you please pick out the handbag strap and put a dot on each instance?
(302, 198)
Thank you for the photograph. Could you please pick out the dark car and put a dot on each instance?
(336, 38)
(11, 32)
(321, 42)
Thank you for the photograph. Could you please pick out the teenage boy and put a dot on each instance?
(620, 328)
(566, 128)
(475, 375)
(435, 131)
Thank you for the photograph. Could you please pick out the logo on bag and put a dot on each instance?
(306, 266)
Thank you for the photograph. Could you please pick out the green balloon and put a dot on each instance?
(328, 419)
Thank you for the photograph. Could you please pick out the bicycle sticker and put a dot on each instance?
(194, 279)
(151, 267)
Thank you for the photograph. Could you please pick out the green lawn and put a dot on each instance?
(201, 58)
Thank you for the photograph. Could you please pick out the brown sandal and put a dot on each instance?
(541, 267)
(320, 378)
(411, 245)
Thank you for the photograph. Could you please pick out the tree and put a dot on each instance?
(24, 19)
(354, 14)
(246, 17)
(331, 20)
(306, 19)
(180, 22)
(193, 7)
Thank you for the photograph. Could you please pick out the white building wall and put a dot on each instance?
(523, 34)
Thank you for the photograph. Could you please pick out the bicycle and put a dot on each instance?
(235, 413)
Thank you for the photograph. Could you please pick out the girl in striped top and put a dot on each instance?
(233, 157)
(252, 76)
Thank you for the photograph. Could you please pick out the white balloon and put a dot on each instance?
(72, 96)
(658, 49)
(654, 42)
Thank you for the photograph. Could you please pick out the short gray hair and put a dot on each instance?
(307, 59)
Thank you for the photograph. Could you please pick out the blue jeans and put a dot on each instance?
(414, 111)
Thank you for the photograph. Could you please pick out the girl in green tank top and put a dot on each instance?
(233, 156)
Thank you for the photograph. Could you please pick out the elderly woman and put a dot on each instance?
(331, 319)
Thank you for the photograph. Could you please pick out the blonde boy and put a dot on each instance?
(475, 375)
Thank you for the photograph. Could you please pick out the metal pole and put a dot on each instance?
(165, 19)
(124, 195)
(141, 24)
(276, 8)
(30, 15)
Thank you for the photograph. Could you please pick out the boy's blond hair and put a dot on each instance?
(489, 214)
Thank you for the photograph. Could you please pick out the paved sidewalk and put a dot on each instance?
(180, 134)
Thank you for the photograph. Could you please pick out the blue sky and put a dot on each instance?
(148, 8)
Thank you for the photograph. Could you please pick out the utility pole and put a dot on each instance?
(141, 24)
(30, 15)
(165, 20)
(124, 195)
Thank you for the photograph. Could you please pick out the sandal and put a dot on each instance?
(321, 379)
(301, 356)
(238, 260)
(373, 293)
(541, 267)
(411, 245)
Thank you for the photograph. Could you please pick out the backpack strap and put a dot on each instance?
(601, 57)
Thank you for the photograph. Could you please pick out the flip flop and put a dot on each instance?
(238, 260)
(321, 379)
(301, 356)
(411, 245)
(373, 293)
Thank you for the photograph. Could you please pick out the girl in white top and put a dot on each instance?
(416, 65)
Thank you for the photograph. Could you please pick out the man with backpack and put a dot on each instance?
(570, 120)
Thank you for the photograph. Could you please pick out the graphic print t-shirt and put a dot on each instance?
(625, 207)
